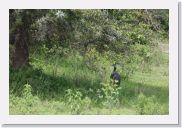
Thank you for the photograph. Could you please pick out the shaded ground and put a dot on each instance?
(146, 92)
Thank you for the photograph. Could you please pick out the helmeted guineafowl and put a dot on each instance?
(115, 76)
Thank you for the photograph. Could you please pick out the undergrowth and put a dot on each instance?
(68, 85)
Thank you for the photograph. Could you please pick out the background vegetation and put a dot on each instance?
(60, 61)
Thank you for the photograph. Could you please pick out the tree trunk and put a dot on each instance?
(21, 53)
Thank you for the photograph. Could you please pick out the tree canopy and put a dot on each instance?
(123, 35)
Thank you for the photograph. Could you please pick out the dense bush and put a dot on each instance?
(147, 106)
(61, 61)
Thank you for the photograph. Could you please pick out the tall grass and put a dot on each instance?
(66, 85)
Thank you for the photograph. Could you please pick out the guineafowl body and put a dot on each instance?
(115, 76)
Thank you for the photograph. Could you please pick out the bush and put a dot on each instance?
(25, 102)
(73, 101)
(99, 62)
(110, 95)
(147, 105)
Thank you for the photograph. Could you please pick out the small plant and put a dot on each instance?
(110, 95)
(141, 104)
(28, 99)
(73, 101)
(25, 102)
(27, 91)
(87, 102)
(147, 105)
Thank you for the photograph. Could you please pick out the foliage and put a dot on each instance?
(26, 103)
(74, 101)
(113, 30)
(110, 95)
(147, 105)
(61, 61)
(77, 89)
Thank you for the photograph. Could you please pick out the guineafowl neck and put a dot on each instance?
(114, 69)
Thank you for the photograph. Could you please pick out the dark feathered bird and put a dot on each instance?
(115, 76)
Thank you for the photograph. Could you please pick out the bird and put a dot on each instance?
(115, 76)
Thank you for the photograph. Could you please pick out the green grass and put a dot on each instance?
(66, 85)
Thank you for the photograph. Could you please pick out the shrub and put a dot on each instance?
(110, 95)
(73, 101)
(147, 105)
(99, 62)
(25, 102)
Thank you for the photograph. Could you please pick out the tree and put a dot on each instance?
(20, 36)
(117, 31)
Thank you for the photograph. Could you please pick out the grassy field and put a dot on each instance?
(66, 86)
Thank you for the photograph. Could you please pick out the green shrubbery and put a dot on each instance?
(77, 85)
(147, 105)
(25, 102)
(67, 56)
(111, 97)
(73, 99)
